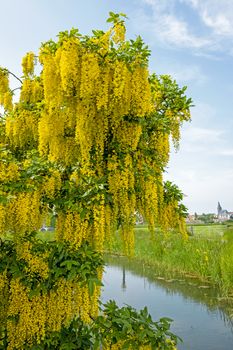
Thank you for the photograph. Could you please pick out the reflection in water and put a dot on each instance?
(123, 286)
(201, 319)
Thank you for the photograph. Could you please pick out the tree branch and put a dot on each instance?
(18, 88)
(15, 76)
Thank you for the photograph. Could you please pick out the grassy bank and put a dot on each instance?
(210, 260)
(207, 231)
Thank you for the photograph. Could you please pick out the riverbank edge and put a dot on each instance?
(165, 268)
(175, 274)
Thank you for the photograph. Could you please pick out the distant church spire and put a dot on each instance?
(219, 208)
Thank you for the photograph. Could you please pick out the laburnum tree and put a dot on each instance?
(87, 143)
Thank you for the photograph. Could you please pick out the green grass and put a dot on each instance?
(210, 260)
(46, 235)
(43, 235)
(208, 231)
(228, 234)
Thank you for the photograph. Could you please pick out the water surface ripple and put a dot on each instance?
(200, 319)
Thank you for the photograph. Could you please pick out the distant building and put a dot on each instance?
(223, 214)
(190, 218)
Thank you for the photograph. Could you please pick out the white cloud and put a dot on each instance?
(203, 135)
(226, 152)
(188, 74)
(177, 31)
(211, 56)
(215, 14)
(206, 135)
(170, 29)
(219, 23)
(202, 188)
(202, 168)
(202, 172)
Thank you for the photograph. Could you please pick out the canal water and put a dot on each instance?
(202, 319)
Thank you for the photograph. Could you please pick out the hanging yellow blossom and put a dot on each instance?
(70, 73)
(2, 219)
(4, 84)
(7, 101)
(90, 72)
(119, 32)
(28, 64)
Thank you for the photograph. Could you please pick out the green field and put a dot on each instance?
(208, 231)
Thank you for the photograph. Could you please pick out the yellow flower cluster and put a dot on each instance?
(121, 89)
(36, 263)
(50, 78)
(141, 97)
(18, 304)
(94, 299)
(26, 93)
(102, 97)
(28, 63)
(99, 93)
(3, 280)
(37, 91)
(182, 227)
(51, 129)
(7, 101)
(70, 73)
(4, 295)
(71, 228)
(121, 187)
(5, 93)
(128, 135)
(23, 214)
(43, 130)
(103, 42)
(149, 200)
(127, 235)
(9, 172)
(90, 72)
(84, 131)
(2, 219)
(162, 147)
(4, 82)
(53, 125)
(51, 184)
(48, 312)
(31, 91)
(169, 218)
(118, 33)
(22, 129)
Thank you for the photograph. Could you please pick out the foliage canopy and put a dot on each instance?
(88, 141)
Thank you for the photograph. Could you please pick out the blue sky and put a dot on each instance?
(189, 39)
